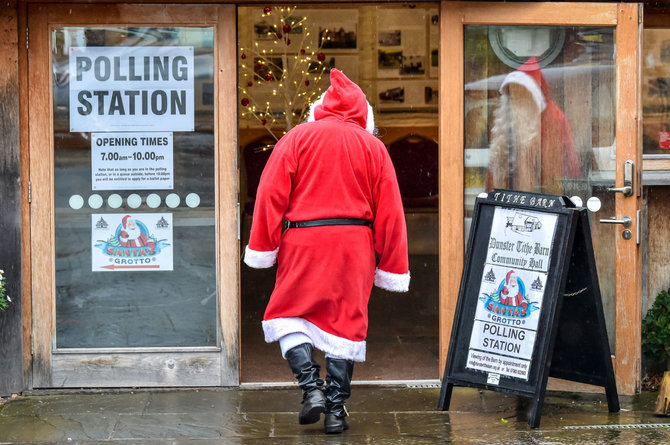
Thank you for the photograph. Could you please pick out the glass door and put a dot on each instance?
(544, 110)
(134, 292)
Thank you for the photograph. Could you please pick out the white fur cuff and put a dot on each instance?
(392, 281)
(258, 259)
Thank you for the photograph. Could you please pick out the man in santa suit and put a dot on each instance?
(511, 293)
(131, 235)
(331, 182)
(532, 147)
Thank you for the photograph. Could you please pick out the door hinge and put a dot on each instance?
(27, 33)
(30, 198)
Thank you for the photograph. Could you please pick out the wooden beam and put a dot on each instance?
(228, 193)
(11, 338)
(628, 257)
(451, 161)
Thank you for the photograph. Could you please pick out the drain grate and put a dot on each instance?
(629, 426)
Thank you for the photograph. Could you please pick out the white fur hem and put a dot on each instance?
(258, 259)
(330, 344)
(392, 281)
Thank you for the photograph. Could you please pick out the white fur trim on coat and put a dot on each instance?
(523, 79)
(258, 259)
(394, 282)
(369, 120)
(330, 344)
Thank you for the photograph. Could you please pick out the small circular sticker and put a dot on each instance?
(577, 201)
(114, 200)
(172, 200)
(192, 200)
(593, 204)
(153, 200)
(95, 201)
(76, 202)
(134, 201)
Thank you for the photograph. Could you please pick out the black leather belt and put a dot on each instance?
(327, 222)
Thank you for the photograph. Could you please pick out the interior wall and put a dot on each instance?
(658, 240)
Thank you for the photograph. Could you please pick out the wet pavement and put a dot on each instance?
(379, 415)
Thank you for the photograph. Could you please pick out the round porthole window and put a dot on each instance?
(514, 45)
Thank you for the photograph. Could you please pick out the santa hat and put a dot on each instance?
(530, 77)
(343, 98)
(124, 221)
(508, 278)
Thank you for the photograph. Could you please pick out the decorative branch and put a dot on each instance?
(295, 84)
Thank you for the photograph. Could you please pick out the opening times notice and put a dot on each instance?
(132, 161)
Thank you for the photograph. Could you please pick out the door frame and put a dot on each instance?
(626, 18)
(212, 366)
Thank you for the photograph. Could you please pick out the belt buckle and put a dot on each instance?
(286, 224)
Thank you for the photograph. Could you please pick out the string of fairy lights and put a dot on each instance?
(290, 70)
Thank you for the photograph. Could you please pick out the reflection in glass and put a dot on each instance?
(132, 308)
(540, 117)
(532, 147)
(656, 93)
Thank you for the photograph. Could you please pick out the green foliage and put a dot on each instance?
(656, 328)
(4, 299)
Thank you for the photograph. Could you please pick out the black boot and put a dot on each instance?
(338, 379)
(306, 371)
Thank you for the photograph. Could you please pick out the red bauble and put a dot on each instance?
(267, 10)
(268, 76)
(288, 41)
(250, 84)
(286, 28)
(321, 57)
(302, 52)
(279, 35)
(264, 121)
(243, 56)
(244, 101)
(307, 82)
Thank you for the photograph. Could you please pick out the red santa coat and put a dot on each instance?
(329, 168)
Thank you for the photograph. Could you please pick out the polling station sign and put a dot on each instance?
(149, 88)
(511, 292)
(529, 305)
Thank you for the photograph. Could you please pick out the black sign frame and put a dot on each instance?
(571, 339)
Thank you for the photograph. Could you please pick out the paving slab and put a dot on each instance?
(378, 414)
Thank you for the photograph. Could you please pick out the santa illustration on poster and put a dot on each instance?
(131, 242)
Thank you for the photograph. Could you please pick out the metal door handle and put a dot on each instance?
(627, 190)
(628, 180)
(627, 221)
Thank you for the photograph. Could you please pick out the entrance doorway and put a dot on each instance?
(391, 52)
(549, 106)
(131, 164)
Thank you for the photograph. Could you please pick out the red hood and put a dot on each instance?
(532, 68)
(344, 100)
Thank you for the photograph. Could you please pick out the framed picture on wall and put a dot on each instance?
(408, 94)
(338, 36)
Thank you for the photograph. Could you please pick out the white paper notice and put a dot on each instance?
(131, 88)
(132, 161)
(131, 242)
(511, 292)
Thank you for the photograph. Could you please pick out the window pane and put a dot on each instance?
(134, 187)
(540, 117)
